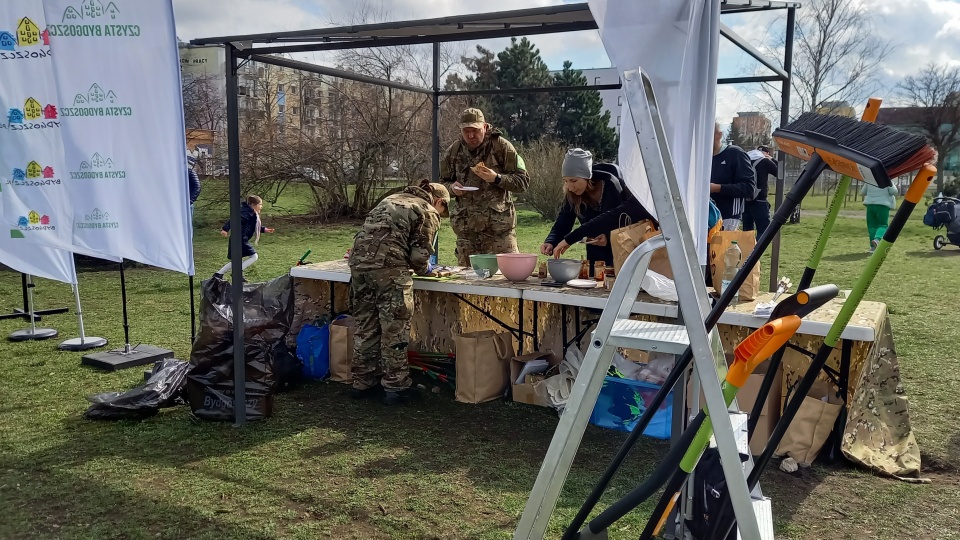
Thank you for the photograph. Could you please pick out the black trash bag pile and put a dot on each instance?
(267, 316)
(161, 390)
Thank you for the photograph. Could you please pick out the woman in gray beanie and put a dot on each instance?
(590, 191)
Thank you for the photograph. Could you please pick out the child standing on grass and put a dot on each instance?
(250, 228)
(879, 202)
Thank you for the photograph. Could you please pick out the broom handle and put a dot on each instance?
(869, 115)
(815, 166)
(917, 188)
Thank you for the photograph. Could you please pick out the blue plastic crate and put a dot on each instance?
(623, 401)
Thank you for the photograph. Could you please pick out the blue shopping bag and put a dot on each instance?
(313, 348)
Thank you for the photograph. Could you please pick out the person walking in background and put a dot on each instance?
(250, 229)
(732, 181)
(397, 237)
(756, 213)
(481, 170)
(879, 203)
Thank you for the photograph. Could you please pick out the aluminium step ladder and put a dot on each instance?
(615, 329)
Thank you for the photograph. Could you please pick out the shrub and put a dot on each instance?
(545, 193)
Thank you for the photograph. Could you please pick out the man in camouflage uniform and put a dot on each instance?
(484, 219)
(397, 237)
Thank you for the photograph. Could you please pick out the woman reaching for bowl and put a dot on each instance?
(595, 196)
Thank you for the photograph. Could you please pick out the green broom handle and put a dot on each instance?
(917, 188)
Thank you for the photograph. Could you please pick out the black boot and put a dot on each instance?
(373, 391)
(391, 398)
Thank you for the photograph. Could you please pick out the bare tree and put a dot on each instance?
(203, 103)
(836, 57)
(934, 98)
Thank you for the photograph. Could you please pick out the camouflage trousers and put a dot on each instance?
(484, 242)
(382, 304)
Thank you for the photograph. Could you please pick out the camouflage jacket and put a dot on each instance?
(398, 233)
(491, 208)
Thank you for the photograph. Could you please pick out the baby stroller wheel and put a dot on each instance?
(939, 242)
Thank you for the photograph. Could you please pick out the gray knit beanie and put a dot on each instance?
(577, 163)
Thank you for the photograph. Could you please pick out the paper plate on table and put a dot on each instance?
(582, 283)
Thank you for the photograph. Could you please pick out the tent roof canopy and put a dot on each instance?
(523, 22)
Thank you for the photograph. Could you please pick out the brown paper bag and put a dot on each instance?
(747, 240)
(341, 349)
(628, 237)
(483, 365)
(813, 424)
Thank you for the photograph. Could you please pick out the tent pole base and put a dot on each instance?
(83, 344)
(33, 334)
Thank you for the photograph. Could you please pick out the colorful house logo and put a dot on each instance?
(15, 116)
(48, 172)
(19, 175)
(34, 170)
(33, 219)
(50, 112)
(28, 33)
(32, 110)
(71, 14)
(8, 42)
(46, 36)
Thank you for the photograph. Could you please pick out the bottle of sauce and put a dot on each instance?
(542, 271)
(599, 270)
(584, 269)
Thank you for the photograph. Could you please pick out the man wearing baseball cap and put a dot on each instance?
(481, 170)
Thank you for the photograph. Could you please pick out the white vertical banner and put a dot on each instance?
(36, 204)
(117, 72)
(676, 43)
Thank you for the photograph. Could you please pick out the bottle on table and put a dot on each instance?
(731, 259)
(542, 271)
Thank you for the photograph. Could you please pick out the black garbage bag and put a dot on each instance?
(161, 390)
(267, 316)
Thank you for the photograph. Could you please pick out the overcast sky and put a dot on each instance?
(922, 30)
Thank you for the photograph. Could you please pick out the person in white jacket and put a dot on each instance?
(879, 203)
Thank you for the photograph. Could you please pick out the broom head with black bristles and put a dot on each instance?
(866, 151)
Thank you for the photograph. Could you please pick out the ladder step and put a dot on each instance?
(649, 336)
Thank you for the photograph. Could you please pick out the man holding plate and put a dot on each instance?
(481, 169)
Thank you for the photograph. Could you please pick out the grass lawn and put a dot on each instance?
(328, 467)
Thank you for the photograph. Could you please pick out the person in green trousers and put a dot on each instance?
(879, 203)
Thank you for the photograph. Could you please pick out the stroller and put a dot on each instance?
(944, 212)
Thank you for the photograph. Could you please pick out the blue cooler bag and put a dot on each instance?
(621, 403)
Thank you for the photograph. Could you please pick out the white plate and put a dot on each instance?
(469, 188)
(583, 283)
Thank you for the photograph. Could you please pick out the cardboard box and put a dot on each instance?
(747, 396)
(524, 393)
(770, 414)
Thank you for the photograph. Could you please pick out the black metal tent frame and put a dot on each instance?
(473, 27)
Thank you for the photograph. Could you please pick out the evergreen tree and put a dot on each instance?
(525, 117)
(581, 120)
(735, 137)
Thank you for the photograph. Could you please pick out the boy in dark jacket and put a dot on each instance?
(250, 228)
(756, 214)
(732, 181)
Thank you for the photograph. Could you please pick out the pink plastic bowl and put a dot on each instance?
(516, 266)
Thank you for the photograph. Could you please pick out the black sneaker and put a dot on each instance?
(217, 275)
(392, 398)
(366, 393)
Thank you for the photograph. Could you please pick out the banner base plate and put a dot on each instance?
(87, 343)
(120, 359)
(34, 334)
